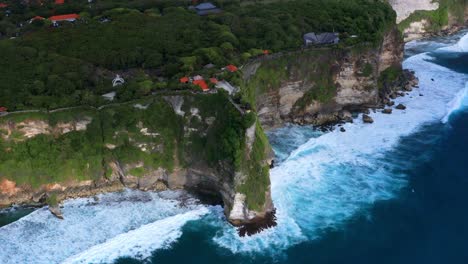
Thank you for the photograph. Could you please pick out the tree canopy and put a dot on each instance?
(52, 67)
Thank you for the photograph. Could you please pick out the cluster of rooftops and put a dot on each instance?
(199, 81)
(201, 9)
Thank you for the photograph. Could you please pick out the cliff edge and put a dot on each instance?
(422, 18)
(324, 85)
(198, 142)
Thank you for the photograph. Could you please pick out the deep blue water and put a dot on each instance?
(392, 192)
(427, 223)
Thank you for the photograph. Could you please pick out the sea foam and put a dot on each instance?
(336, 175)
(90, 225)
(320, 185)
(141, 242)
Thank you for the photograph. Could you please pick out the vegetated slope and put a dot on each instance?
(196, 142)
(157, 47)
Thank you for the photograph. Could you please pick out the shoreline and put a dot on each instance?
(256, 225)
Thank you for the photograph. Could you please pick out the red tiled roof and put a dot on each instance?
(266, 52)
(231, 68)
(202, 84)
(3, 5)
(59, 2)
(184, 79)
(213, 80)
(64, 17)
(3, 109)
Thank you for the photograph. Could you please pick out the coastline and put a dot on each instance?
(90, 189)
(309, 202)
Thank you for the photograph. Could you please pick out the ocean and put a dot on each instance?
(395, 191)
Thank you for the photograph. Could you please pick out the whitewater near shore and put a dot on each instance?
(323, 180)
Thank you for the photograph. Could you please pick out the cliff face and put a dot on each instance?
(422, 18)
(200, 143)
(404, 8)
(320, 86)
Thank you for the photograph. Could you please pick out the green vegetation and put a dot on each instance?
(391, 74)
(321, 94)
(225, 139)
(141, 140)
(155, 43)
(45, 159)
(81, 155)
(438, 18)
(52, 200)
(367, 70)
(257, 171)
(315, 68)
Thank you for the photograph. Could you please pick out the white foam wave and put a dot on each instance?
(461, 46)
(42, 238)
(330, 178)
(319, 186)
(456, 104)
(139, 243)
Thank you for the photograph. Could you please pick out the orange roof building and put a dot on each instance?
(213, 80)
(231, 68)
(184, 79)
(59, 2)
(67, 17)
(3, 109)
(202, 84)
(3, 5)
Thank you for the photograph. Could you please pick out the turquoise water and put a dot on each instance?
(390, 192)
(12, 214)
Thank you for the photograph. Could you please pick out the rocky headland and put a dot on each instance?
(203, 143)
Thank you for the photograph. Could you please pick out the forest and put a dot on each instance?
(157, 42)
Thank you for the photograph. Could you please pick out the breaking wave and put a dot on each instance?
(457, 103)
(130, 223)
(336, 175)
(141, 242)
(322, 181)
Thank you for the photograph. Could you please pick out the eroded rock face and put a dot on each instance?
(423, 28)
(188, 170)
(391, 51)
(404, 8)
(30, 128)
(416, 30)
(239, 210)
(353, 76)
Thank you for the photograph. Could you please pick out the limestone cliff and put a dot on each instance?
(200, 143)
(422, 18)
(320, 86)
(404, 8)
